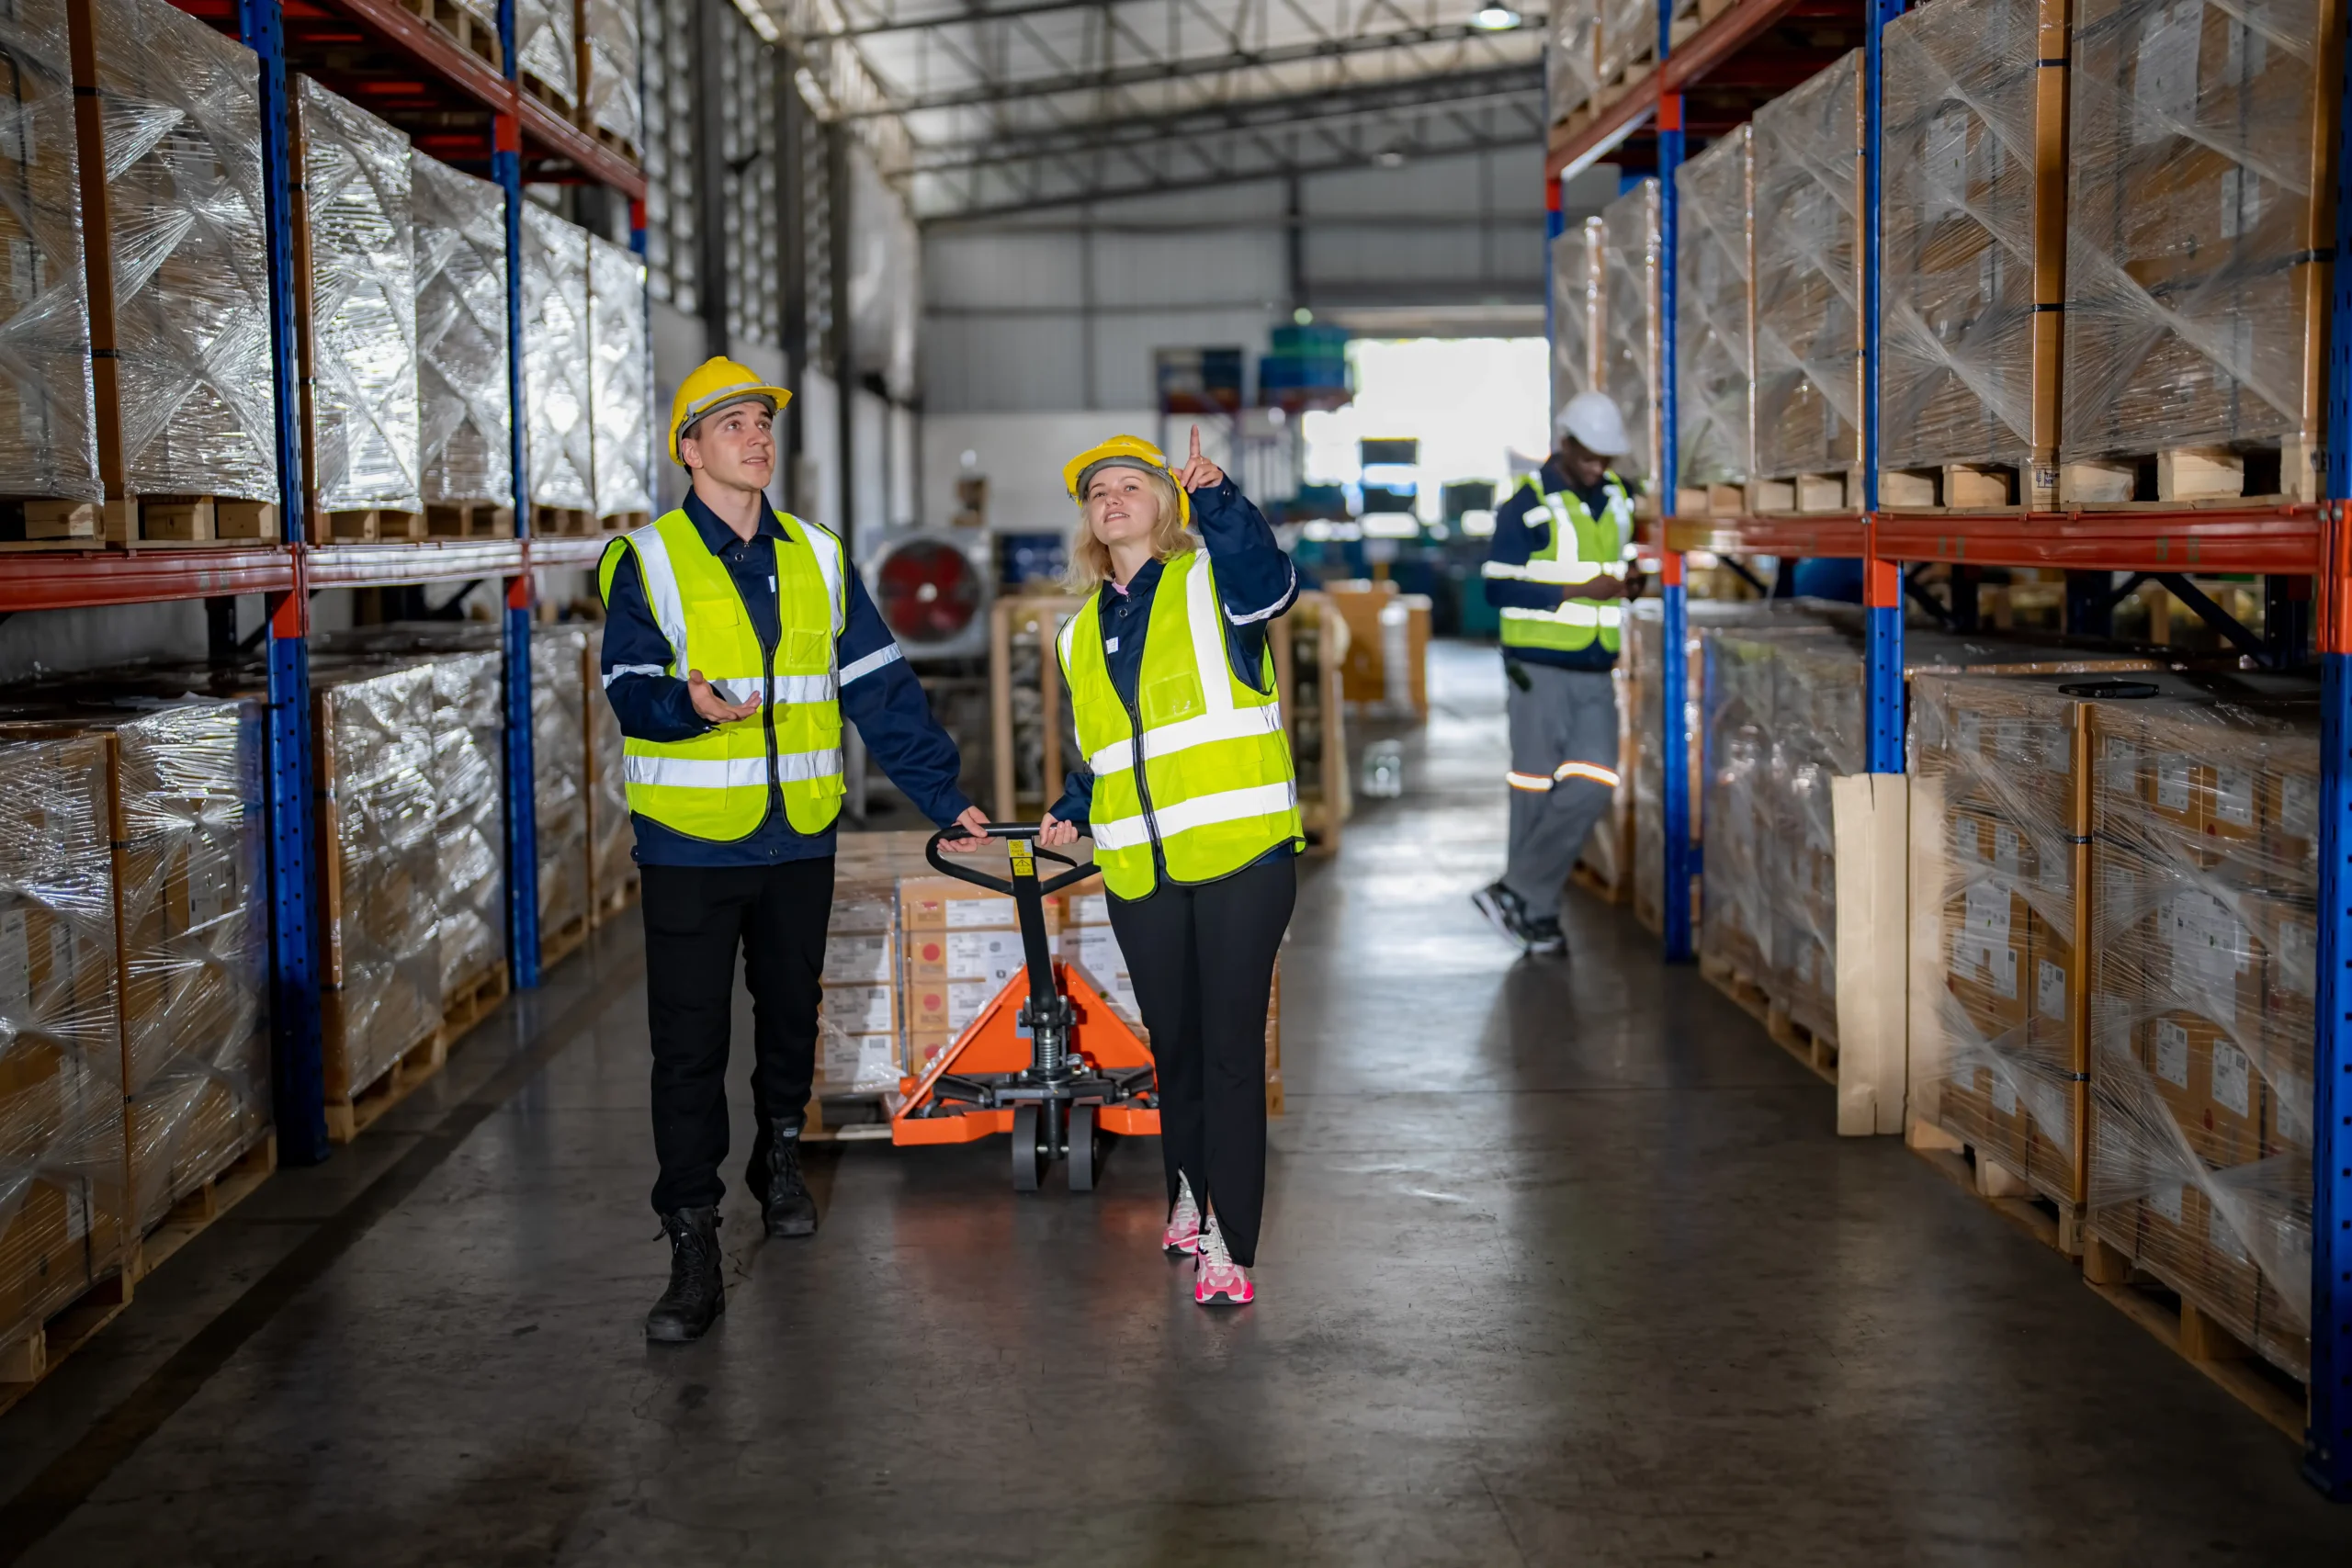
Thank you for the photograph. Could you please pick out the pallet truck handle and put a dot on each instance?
(1077, 873)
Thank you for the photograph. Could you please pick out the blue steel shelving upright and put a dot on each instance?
(1674, 675)
(2284, 539)
(522, 804)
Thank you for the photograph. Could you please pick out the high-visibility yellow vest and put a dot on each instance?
(1215, 789)
(1580, 549)
(715, 785)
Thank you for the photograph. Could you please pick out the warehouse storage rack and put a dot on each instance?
(1738, 54)
(386, 56)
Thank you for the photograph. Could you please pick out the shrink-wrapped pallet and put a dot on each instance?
(464, 410)
(2200, 167)
(1628, 38)
(860, 1049)
(1576, 302)
(545, 47)
(558, 363)
(49, 443)
(1572, 57)
(1808, 312)
(378, 840)
(559, 761)
(612, 842)
(609, 69)
(468, 815)
(355, 255)
(187, 237)
(1714, 349)
(63, 1200)
(621, 399)
(1629, 316)
(1962, 377)
(2205, 819)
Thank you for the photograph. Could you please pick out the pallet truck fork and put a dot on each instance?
(1047, 1060)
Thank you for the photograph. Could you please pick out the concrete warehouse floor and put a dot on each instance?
(1563, 1265)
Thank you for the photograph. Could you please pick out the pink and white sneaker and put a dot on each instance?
(1184, 1234)
(1219, 1279)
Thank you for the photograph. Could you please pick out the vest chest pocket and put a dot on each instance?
(1171, 697)
(714, 612)
(804, 651)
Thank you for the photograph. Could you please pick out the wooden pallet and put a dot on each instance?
(559, 99)
(565, 521)
(2192, 476)
(1711, 501)
(153, 521)
(1817, 1050)
(473, 35)
(612, 903)
(347, 1118)
(563, 941)
(1967, 488)
(1591, 882)
(1806, 494)
(194, 1213)
(622, 521)
(368, 525)
(2059, 1227)
(611, 140)
(469, 520)
(471, 1002)
(2232, 1365)
(33, 1356)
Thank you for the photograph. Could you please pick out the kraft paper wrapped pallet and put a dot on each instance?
(1713, 348)
(1577, 304)
(356, 319)
(2203, 865)
(464, 407)
(63, 1200)
(49, 449)
(620, 399)
(558, 369)
(1808, 312)
(1629, 318)
(186, 400)
(2200, 186)
(1972, 198)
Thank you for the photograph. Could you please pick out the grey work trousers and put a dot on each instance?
(1564, 715)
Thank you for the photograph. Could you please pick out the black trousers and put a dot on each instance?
(696, 918)
(1202, 957)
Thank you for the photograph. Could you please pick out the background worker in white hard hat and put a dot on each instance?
(1557, 570)
(736, 642)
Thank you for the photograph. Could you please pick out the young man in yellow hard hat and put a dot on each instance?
(1557, 570)
(736, 642)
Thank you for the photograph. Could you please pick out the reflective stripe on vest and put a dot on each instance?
(1580, 547)
(715, 785)
(1216, 790)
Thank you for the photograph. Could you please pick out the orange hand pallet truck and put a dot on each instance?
(1047, 1060)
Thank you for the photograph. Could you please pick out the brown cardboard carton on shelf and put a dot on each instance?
(2288, 808)
(859, 959)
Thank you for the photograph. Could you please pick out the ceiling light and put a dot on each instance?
(1494, 20)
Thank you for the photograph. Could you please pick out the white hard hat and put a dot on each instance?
(1594, 421)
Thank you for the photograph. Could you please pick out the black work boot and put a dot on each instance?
(697, 1292)
(776, 1178)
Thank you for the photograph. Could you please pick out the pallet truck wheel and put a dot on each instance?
(1028, 1150)
(1085, 1149)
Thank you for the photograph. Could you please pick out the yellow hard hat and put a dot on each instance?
(1124, 451)
(714, 384)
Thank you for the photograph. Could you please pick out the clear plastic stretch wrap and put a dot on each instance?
(544, 46)
(621, 401)
(609, 45)
(1956, 301)
(48, 443)
(559, 757)
(181, 105)
(612, 842)
(1712, 346)
(2196, 283)
(1572, 57)
(1629, 317)
(465, 411)
(1628, 34)
(360, 244)
(558, 363)
(1808, 312)
(61, 1167)
(1577, 298)
(2205, 822)
(2000, 823)
(860, 1047)
(379, 837)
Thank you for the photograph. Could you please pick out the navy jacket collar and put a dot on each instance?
(715, 535)
(1140, 585)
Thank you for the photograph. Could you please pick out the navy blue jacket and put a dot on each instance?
(1515, 543)
(1255, 581)
(880, 694)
